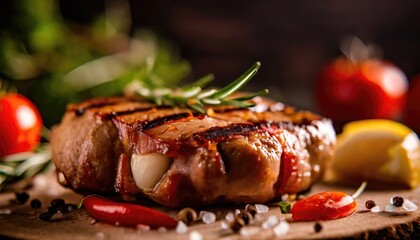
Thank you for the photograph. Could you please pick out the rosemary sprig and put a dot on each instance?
(24, 165)
(197, 98)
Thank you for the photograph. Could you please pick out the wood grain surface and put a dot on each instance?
(23, 223)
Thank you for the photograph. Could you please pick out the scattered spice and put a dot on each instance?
(236, 224)
(35, 204)
(181, 227)
(318, 227)
(397, 201)
(390, 208)
(187, 215)
(375, 209)
(409, 206)
(230, 217)
(52, 210)
(270, 222)
(21, 197)
(57, 216)
(68, 207)
(45, 216)
(282, 228)
(208, 217)
(249, 231)
(251, 209)
(261, 208)
(370, 204)
(58, 202)
(246, 216)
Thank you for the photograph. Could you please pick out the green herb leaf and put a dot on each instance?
(195, 97)
(24, 165)
(285, 207)
(238, 83)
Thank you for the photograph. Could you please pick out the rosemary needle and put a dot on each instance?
(197, 98)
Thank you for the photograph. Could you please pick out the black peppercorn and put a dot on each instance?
(58, 202)
(237, 224)
(35, 204)
(22, 197)
(370, 204)
(251, 209)
(187, 215)
(53, 210)
(45, 216)
(318, 227)
(397, 201)
(68, 207)
(246, 216)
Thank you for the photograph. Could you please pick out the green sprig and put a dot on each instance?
(24, 165)
(197, 98)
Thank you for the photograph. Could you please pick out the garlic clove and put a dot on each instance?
(149, 169)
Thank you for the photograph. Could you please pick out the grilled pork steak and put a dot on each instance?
(180, 158)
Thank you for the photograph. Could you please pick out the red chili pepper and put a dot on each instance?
(323, 206)
(126, 214)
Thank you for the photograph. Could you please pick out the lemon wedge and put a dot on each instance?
(380, 151)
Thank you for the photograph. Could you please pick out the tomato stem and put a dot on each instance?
(359, 190)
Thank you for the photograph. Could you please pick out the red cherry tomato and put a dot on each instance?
(347, 91)
(323, 206)
(412, 107)
(20, 124)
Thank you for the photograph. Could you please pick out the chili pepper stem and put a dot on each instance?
(359, 190)
(80, 205)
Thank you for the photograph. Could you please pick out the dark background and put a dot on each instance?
(292, 39)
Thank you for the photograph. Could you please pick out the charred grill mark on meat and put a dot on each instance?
(164, 120)
(222, 133)
(114, 114)
(80, 109)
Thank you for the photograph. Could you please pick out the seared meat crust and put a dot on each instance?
(227, 155)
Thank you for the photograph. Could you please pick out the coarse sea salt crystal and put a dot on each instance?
(201, 214)
(390, 208)
(195, 235)
(261, 208)
(270, 222)
(181, 227)
(282, 228)
(409, 206)
(375, 209)
(249, 231)
(57, 216)
(230, 217)
(209, 217)
(224, 225)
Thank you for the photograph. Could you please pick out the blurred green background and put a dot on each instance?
(55, 61)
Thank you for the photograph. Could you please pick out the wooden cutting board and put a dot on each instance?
(23, 223)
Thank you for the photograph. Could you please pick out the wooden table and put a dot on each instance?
(23, 223)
